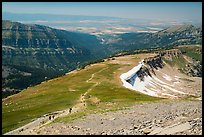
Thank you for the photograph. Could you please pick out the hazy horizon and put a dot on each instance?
(178, 11)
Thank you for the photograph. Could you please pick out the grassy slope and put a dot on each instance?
(63, 92)
(190, 51)
(180, 62)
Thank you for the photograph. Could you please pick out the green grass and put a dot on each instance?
(71, 117)
(190, 51)
(109, 92)
(63, 92)
(112, 96)
(41, 99)
(179, 62)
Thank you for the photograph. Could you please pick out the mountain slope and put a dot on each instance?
(176, 35)
(44, 52)
(63, 92)
(100, 86)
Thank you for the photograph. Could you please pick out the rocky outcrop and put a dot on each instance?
(172, 52)
(152, 78)
(155, 62)
(193, 69)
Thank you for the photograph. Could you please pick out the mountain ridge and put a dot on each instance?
(45, 50)
(48, 52)
(99, 86)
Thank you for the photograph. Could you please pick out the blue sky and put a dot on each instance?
(144, 10)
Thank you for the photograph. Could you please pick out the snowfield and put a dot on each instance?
(151, 85)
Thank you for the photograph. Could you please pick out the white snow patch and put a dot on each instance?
(174, 90)
(164, 89)
(177, 82)
(132, 72)
(138, 85)
(169, 95)
(167, 77)
(151, 82)
(158, 80)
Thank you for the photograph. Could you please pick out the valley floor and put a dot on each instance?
(182, 117)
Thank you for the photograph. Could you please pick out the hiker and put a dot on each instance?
(70, 110)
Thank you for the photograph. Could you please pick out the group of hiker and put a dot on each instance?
(51, 117)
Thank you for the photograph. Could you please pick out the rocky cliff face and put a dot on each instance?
(193, 69)
(152, 76)
(153, 63)
(35, 43)
(44, 52)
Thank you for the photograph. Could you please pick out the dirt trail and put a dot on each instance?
(34, 126)
(173, 117)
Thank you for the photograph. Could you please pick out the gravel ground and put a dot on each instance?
(175, 117)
